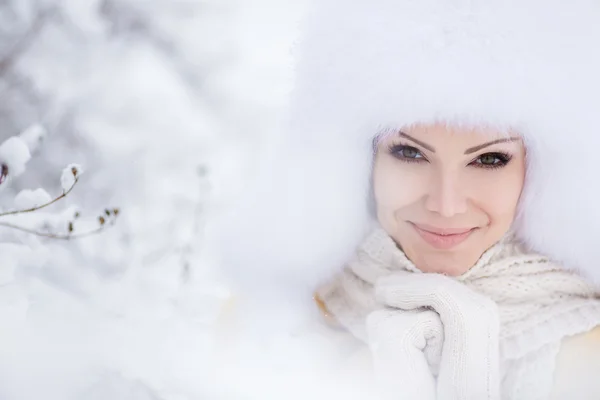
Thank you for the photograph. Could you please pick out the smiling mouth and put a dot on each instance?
(443, 238)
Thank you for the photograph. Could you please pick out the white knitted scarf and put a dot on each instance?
(539, 304)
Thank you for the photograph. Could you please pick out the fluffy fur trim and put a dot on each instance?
(529, 65)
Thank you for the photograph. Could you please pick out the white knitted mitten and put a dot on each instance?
(406, 347)
(469, 368)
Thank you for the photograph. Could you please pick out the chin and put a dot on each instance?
(448, 263)
(452, 261)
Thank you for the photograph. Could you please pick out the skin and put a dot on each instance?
(435, 177)
(445, 189)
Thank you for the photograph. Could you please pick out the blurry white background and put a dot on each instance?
(165, 104)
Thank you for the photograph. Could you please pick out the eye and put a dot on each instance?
(406, 153)
(492, 160)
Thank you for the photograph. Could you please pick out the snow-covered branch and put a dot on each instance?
(15, 152)
(74, 171)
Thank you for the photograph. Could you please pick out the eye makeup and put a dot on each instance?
(411, 154)
(492, 160)
(406, 153)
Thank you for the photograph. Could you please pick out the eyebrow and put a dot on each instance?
(424, 145)
(468, 151)
(482, 146)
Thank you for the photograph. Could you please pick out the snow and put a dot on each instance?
(34, 136)
(10, 253)
(31, 198)
(15, 154)
(69, 175)
(144, 95)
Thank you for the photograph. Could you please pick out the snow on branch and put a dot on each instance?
(14, 155)
(69, 179)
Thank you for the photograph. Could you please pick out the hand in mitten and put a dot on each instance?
(406, 346)
(469, 368)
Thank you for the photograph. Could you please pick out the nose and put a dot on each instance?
(446, 194)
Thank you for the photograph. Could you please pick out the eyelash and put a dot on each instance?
(396, 149)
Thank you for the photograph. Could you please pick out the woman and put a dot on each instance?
(452, 142)
(455, 221)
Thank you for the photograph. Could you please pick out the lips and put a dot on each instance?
(443, 238)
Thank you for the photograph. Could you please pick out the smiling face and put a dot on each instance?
(447, 194)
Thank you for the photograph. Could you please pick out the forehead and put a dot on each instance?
(450, 133)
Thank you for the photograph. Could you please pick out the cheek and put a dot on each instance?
(396, 186)
(499, 196)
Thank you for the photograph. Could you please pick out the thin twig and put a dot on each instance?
(36, 208)
(197, 222)
(54, 235)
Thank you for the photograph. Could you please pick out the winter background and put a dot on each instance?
(162, 107)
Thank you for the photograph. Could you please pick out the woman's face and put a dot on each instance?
(445, 194)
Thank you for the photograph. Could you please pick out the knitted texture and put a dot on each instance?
(539, 304)
(469, 368)
(404, 345)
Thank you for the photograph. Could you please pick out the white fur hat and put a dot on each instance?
(531, 65)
